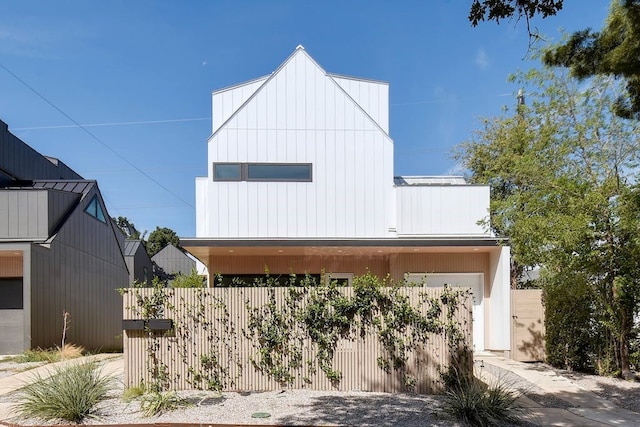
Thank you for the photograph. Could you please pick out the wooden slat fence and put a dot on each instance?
(210, 345)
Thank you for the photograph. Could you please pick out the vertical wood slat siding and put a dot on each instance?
(528, 329)
(442, 263)
(377, 265)
(10, 265)
(357, 359)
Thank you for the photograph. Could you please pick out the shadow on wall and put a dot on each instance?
(533, 347)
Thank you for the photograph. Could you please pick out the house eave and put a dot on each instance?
(365, 242)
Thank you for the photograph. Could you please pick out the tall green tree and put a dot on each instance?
(613, 51)
(562, 170)
(497, 10)
(161, 237)
(128, 228)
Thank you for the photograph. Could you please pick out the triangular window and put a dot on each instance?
(95, 210)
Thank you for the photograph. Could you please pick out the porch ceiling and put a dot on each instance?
(203, 248)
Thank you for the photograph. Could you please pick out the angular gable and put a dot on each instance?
(299, 95)
(371, 95)
(226, 101)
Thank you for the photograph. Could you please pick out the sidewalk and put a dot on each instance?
(578, 407)
(113, 363)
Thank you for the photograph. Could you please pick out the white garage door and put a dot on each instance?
(475, 281)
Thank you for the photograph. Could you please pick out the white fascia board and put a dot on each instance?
(238, 85)
(360, 79)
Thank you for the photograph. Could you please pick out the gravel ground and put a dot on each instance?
(625, 394)
(286, 407)
(308, 407)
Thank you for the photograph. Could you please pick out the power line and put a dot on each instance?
(88, 132)
(441, 101)
(148, 122)
(194, 119)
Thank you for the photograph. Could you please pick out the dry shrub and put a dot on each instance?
(70, 351)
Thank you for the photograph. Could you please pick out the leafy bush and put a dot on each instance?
(70, 394)
(573, 336)
(155, 403)
(475, 403)
(192, 280)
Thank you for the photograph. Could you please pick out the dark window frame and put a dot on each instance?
(244, 172)
(216, 164)
(95, 201)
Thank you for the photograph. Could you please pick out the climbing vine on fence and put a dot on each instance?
(290, 317)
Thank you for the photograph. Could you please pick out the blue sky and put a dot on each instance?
(144, 72)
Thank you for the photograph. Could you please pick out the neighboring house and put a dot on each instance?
(171, 261)
(138, 262)
(300, 180)
(59, 252)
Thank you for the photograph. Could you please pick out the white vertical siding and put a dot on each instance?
(372, 96)
(226, 101)
(202, 209)
(301, 116)
(448, 210)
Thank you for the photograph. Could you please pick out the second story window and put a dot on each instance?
(226, 172)
(95, 210)
(281, 172)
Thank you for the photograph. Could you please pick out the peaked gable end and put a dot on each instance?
(226, 101)
(301, 95)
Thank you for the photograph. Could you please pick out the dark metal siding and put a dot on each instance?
(137, 260)
(173, 261)
(32, 214)
(20, 161)
(79, 273)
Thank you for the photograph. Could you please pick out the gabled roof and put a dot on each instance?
(47, 203)
(131, 247)
(80, 186)
(168, 251)
(77, 186)
(331, 77)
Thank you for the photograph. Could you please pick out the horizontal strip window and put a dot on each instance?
(282, 172)
(226, 172)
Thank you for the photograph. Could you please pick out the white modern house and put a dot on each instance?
(300, 180)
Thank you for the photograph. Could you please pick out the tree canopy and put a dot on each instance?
(562, 171)
(128, 228)
(613, 51)
(496, 10)
(161, 237)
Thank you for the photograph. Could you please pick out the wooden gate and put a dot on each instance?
(527, 329)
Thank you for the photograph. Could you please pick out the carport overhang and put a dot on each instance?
(203, 248)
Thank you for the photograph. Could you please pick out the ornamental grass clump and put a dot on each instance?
(70, 394)
(157, 403)
(475, 403)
